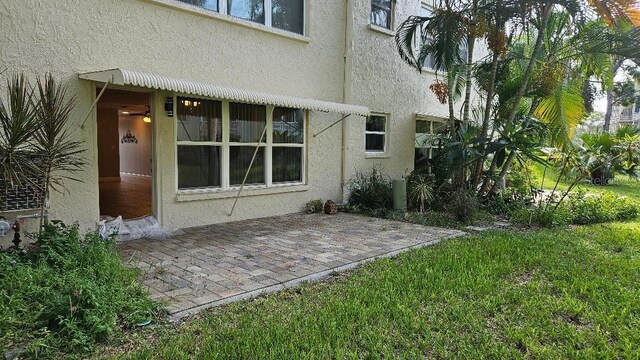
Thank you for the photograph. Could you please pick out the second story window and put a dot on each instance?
(382, 13)
(288, 15)
(252, 10)
(207, 4)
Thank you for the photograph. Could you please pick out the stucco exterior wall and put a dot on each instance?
(73, 36)
(382, 81)
(68, 37)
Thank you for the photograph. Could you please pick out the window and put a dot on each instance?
(252, 10)
(381, 13)
(247, 123)
(427, 141)
(216, 145)
(428, 62)
(288, 15)
(281, 14)
(199, 136)
(375, 134)
(288, 145)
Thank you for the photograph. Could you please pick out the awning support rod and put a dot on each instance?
(330, 126)
(246, 175)
(96, 102)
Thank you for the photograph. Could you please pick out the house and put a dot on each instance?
(184, 89)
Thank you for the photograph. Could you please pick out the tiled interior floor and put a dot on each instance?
(130, 197)
(211, 265)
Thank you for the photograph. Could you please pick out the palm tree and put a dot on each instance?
(538, 45)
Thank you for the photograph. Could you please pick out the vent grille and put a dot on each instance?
(25, 197)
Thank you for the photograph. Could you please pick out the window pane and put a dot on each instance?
(198, 166)
(288, 15)
(247, 122)
(287, 164)
(240, 158)
(376, 123)
(199, 120)
(247, 9)
(207, 4)
(375, 143)
(381, 13)
(288, 126)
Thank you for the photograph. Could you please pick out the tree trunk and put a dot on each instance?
(524, 84)
(487, 116)
(607, 116)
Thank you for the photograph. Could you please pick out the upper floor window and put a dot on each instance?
(429, 62)
(376, 134)
(382, 13)
(281, 14)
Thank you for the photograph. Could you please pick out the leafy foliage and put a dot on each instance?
(67, 293)
(371, 191)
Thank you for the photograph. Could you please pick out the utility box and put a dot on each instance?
(400, 194)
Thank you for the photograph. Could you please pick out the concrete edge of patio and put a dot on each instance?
(179, 315)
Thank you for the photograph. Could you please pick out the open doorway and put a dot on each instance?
(125, 154)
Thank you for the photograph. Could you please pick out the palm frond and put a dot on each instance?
(562, 112)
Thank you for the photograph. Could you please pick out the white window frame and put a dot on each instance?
(385, 133)
(223, 9)
(431, 120)
(267, 144)
(392, 16)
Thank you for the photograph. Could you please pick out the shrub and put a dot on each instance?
(589, 209)
(541, 216)
(463, 205)
(67, 293)
(371, 191)
(420, 191)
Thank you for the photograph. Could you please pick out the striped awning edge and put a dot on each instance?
(152, 81)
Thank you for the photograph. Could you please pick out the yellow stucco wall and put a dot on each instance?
(73, 36)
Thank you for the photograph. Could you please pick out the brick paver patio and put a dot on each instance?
(213, 265)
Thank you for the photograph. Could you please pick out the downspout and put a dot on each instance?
(346, 95)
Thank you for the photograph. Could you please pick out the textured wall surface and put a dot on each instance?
(135, 158)
(67, 37)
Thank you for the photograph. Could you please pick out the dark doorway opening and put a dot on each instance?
(125, 154)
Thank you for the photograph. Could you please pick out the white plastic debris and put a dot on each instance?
(107, 228)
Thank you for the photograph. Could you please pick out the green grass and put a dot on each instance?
(551, 293)
(621, 184)
(570, 293)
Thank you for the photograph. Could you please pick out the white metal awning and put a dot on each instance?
(152, 81)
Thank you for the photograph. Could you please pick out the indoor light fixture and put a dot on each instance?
(147, 117)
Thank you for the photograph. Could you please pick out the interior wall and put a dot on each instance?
(135, 158)
(108, 144)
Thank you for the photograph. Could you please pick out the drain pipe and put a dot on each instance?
(346, 95)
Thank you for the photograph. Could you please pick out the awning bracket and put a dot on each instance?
(95, 102)
(332, 125)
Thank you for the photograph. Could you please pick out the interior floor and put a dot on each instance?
(129, 197)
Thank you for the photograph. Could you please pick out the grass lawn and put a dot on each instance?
(560, 293)
(553, 293)
(621, 184)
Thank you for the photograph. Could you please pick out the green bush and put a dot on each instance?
(579, 208)
(464, 205)
(541, 216)
(67, 293)
(370, 191)
(590, 209)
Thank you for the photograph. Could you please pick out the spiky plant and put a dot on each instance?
(59, 153)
